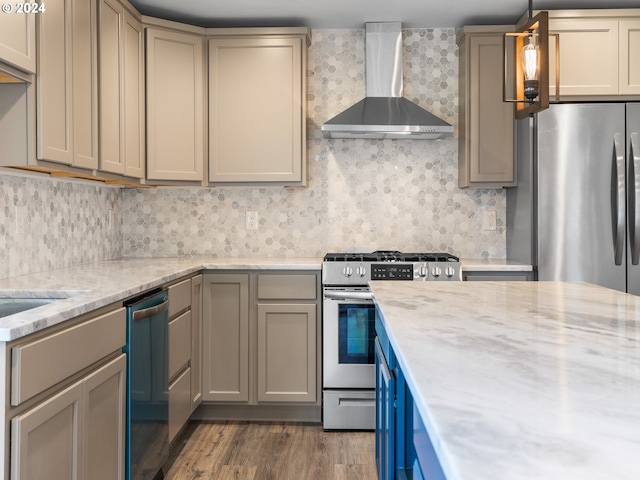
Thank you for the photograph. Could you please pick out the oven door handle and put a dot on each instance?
(348, 295)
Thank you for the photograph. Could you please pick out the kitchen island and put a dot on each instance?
(520, 380)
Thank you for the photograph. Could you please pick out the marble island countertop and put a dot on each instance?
(521, 380)
(96, 285)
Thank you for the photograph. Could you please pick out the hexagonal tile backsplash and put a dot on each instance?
(391, 194)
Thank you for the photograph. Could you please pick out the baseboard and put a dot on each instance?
(294, 413)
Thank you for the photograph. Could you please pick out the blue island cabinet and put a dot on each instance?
(403, 447)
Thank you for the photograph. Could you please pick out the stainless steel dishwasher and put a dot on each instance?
(147, 445)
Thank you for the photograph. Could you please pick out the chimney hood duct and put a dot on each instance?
(384, 113)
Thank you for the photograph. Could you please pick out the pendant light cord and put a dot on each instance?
(530, 9)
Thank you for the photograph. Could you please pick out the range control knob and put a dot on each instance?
(361, 271)
(436, 272)
(347, 271)
(450, 271)
(423, 271)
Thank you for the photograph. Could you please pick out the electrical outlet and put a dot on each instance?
(251, 220)
(489, 220)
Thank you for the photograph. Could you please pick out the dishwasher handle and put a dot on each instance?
(151, 311)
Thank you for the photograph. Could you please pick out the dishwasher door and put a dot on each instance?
(147, 446)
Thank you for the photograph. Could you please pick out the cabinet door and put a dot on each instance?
(486, 150)
(588, 56)
(121, 91)
(47, 440)
(630, 57)
(196, 342)
(175, 121)
(54, 101)
(133, 90)
(67, 84)
(256, 89)
(111, 99)
(179, 344)
(225, 338)
(179, 403)
(385, 418)
(18, 40)
(104, 421)
(84, 43)
(286, 352)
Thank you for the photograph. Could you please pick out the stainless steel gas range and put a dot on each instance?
(349, 326)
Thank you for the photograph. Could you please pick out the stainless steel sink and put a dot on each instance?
(12, 302)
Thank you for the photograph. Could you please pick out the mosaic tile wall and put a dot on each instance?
(49, 223)
(392, 194)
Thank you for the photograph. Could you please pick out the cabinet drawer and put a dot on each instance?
(179, 403)
(179, 343)
(179, 297)
(40, 364)
(287, 287)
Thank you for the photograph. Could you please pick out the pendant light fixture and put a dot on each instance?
(526, 65)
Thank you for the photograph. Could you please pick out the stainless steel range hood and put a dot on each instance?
(384, 113)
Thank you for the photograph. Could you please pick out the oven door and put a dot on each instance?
(348, 338)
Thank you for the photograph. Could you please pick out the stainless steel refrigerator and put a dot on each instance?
(575, 214)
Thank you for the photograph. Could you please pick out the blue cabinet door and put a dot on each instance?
(385, 417)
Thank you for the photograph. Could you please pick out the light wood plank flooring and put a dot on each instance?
(270, 451)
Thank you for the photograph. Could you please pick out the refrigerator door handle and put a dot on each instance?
(618, 199)
(635, 191)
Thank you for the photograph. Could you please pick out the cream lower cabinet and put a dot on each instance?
(76, 434)
(261, 338)
(175, 110)
(485, 151)
(122, 146)
(47, 440)
(18, 40)
(67, 84)
(287, 352)
(599, 53)
(257, 106)
(185, 384)
(196, 342)
(65, 416)
(225, 337)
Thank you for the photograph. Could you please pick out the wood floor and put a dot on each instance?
(270, 451)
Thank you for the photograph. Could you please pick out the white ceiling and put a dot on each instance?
(355, 13)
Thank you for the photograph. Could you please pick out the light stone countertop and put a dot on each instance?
(113, 281)
(497, 265)
(521, 380)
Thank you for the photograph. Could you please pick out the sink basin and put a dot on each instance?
(9, 306)
(12, 302)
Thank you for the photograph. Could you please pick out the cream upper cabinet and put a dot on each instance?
(485, 152)
(257, 108)
(18, 39)
(599, 53)
(67, 82)
(175, 110)
(629, 81)
(122, 147)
